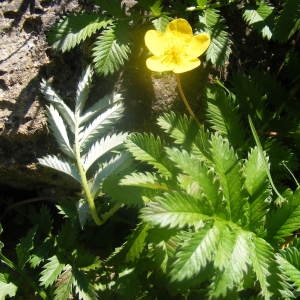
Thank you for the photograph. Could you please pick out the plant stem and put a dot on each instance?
(85, 186)
(266, 166)
(183, 98)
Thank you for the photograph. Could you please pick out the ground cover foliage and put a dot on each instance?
(192, 211)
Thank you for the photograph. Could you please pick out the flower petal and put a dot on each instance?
(187, 65)
(156, 42)
(198, 45)
(179, 26)
(159, 64)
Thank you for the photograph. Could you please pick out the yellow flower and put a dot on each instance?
(176, 49)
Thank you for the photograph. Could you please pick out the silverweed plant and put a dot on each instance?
(90, 147)
(211, 223)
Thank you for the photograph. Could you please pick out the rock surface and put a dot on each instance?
(24, 60)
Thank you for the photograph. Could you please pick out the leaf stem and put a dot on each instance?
(85, 186)
(183, 98)
(266, 166)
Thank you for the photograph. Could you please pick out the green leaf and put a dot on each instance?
(64, 284)
(289, 261)
(186, 132)
(161, 23)
(111, 50)
(147, 148)
(75, 28)
(59, 131)
(83, 89)
(3, 258)
(220, 48)
(195, 253)
(285, 220)
(101, 105)
(222, 114)
(200, 174)
(231, 260)
(102, 147)
(59, 104)
(6, 288)
(267, 271)
(254, 172)
(60, 165)
(147, 180)
(288, 22)
(115, 165)
(40, 252)
(136, 243)
(100, 125)
(176, 210)
(257, 185)
(51, 271)
(84, 288)
(135, 196)
(25, 247)
(156, 7)
(228, 170)
(261, 19)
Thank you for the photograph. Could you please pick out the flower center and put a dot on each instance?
(172, 55)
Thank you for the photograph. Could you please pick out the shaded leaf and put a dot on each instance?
(60, 165)
(51, 271)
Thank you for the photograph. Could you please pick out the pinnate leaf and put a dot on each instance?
(51, 271)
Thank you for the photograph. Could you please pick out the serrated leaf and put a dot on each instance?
(25, 247)
(267, 271)
(257, 185)
(200, 174)
(254, 172)
(220, 47)
(100, 148)
(227, 168)
(40, 252)
(261, 19)
(75, 28)
(285, 219)
(110, 51)
(147, 148)
(51, 271)
(134, 195)
(102, 104)
(161, 23)
(59, 130)
(60, 165)
(6, 288)
(64, 284)
(114, 165)
(176, 210)
(83, 90)
(100, 125)
(84, 287)
(182, 129)
(232, 259)
(135, 243)
(147, 180)
(195, 253)
(222, 114)
(289, 261)
(59, 104)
